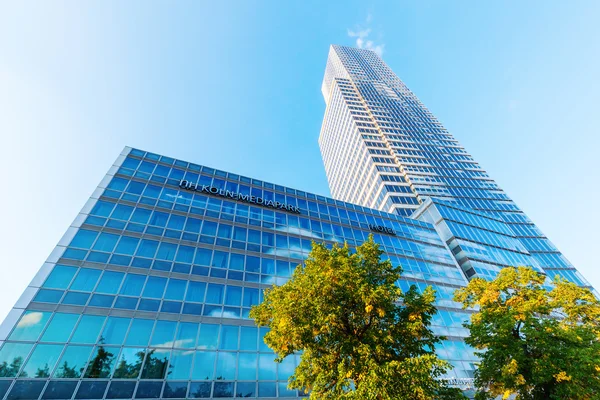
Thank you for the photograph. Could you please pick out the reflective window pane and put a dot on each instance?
(115, 330)
(247, 366)
(88, 329)
(208, 336)
(180, 365)
(60, 327)
(12, 356)
(91, 390)
(42, 361)
(102, 362)
(60, 277)
(155, 366)
(186, 335)
(164, 333)
(204, 365)
(72, 362)
(229, 337)
(129, 363)
(226, 365)
(30, 325)
(59, 390)
(139, 333)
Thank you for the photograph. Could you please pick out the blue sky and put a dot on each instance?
(236, 85)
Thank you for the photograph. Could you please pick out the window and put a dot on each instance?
(60, 277)
(84, 239)
(30, 326)
(86, 279)
(42, 361)
(73, 361)
(60, 327)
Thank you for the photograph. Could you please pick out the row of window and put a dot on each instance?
(79, 329)
(97, 389)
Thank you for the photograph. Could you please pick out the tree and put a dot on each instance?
(535, 341)
(100, 366)
(11, 370)
(359, 336)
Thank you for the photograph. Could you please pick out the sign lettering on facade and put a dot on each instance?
(238, 196)
(382, 229)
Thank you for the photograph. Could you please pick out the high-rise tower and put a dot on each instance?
(383, 149)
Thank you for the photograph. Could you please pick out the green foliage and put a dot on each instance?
(100, 366)
(535, 343)
(343, 312)
(11, 370)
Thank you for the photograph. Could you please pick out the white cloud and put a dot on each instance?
(361, 34)
(30, 319)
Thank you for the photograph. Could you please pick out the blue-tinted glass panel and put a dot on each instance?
(110, 282)
(181, 365)
(233, 296)
(175, 289)
(164, 333)
(148, 390)
(76, 298)
(155, 287)
(214, 293)
(59, 390)
(30, 325)
(48, 296)
(204, 365)
(91, 390)
(226, 365)
(209, 334)
(247, 366)
(60, 327)
(175, 390)
(102, 362)
(133, 285)
(127, 245)
(139, 333)
(106, 242)
(200, 390)
(60, 277)
(246, 389)
(26, 390)
(12, 356)
(101, 300)
(147, 248)
(248, 338)
(195, 291)
(42, 361)
(229, 337)
(115, 330)
(155, 366)
(121, 390)
(129, 364)
(186, 335)
(72, 362)
(83, 239)
(86, 279)
(102, 208)
(88, 329)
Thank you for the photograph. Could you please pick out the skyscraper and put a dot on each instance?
(383, 149)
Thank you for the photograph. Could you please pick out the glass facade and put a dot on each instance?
(148, 293)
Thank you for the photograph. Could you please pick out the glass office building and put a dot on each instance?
(147, 295)
(383, 149)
